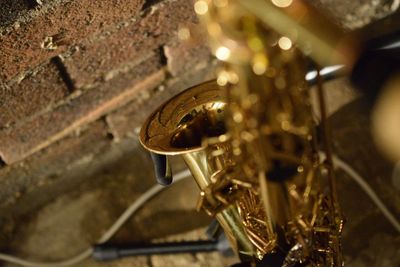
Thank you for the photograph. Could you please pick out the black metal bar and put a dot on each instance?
(111, 252)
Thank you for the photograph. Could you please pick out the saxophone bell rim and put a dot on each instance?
(172, 128)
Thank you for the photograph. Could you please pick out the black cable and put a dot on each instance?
(113, 252)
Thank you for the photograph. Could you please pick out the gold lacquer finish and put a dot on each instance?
(182, 126)
(249, 137)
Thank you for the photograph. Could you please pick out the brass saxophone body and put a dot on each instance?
(249, 140)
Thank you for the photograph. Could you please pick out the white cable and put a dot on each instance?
(139, 203)
(338, 163)
(134, 207)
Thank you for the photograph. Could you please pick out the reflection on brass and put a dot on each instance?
(182, 126)
(249, 137)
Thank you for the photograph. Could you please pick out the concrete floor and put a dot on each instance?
(75, 220)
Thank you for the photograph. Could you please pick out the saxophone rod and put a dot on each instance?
(378, 59)
(318, 37)
(326, 73)
(367, 62)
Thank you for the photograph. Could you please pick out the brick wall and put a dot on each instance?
(67, 63)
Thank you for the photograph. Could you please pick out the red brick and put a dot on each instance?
(66, 22)
(18, 142)
(39, 89)
(125, 121)
(96, 57)
(47, 166)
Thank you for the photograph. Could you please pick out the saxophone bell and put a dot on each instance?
(191, 125)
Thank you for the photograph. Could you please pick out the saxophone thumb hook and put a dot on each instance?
(162, 168)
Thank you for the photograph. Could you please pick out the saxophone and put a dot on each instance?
(249, 137)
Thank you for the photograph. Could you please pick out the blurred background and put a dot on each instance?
(77, 80)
